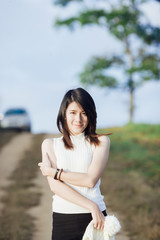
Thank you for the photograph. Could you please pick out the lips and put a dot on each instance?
(78, 125)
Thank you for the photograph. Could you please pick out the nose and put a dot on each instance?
(78, 117)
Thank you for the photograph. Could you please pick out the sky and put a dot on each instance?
(40, 63)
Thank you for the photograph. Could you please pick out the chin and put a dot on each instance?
(77, 131)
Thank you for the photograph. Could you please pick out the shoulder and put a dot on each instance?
(47, 143)
(104, 140)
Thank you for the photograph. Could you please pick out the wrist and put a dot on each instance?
(93, 206)
(51, 172)
(59, 174)
(56, 174)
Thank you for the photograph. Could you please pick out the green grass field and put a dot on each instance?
(131, 179)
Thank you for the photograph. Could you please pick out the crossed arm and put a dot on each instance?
(89, 179)
(95, 169)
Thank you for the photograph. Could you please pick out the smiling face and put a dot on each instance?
(76, 118)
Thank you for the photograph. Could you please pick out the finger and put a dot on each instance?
(98, 226)
(102, 227)
(95, 225)
(47, 156)
(41, 164)
(102, 224)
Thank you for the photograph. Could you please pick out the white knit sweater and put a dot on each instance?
(76, 160)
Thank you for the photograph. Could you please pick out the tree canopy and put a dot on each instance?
(125, 21)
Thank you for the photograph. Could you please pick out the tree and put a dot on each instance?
(125, 21)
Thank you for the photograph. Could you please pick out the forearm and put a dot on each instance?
(68, 193)
(78, 179)
(74, 178)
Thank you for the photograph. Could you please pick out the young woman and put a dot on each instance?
(73, 165)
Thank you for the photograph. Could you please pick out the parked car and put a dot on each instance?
(16, 118)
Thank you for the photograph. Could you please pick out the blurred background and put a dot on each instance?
(111, 48)
(44, 53)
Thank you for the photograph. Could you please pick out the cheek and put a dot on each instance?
(68, 119)
(86, 121)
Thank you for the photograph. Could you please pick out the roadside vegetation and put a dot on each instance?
(131, 179)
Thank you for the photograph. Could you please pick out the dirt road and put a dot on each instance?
(43, 212)
(10, 156)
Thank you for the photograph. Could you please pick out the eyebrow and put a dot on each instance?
(73, 110)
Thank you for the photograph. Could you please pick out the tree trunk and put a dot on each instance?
(131, 105)
(130, 82)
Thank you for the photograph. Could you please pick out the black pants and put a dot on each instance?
(70, 226)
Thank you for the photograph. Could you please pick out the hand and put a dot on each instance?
(98, 217)
(45, 166)
(44, 169)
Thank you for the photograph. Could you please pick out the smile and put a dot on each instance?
(78, 125)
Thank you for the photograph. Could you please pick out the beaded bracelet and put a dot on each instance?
(55, 177)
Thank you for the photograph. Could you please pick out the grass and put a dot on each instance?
(21, 194)
(131, 180)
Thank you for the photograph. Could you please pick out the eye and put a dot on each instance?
(84, 113)
(72, 112)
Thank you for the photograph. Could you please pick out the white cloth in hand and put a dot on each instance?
(111, 228)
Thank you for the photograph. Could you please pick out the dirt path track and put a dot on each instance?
(43, 212)
(10, 156)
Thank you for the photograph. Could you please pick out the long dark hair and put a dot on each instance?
(84, 99)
